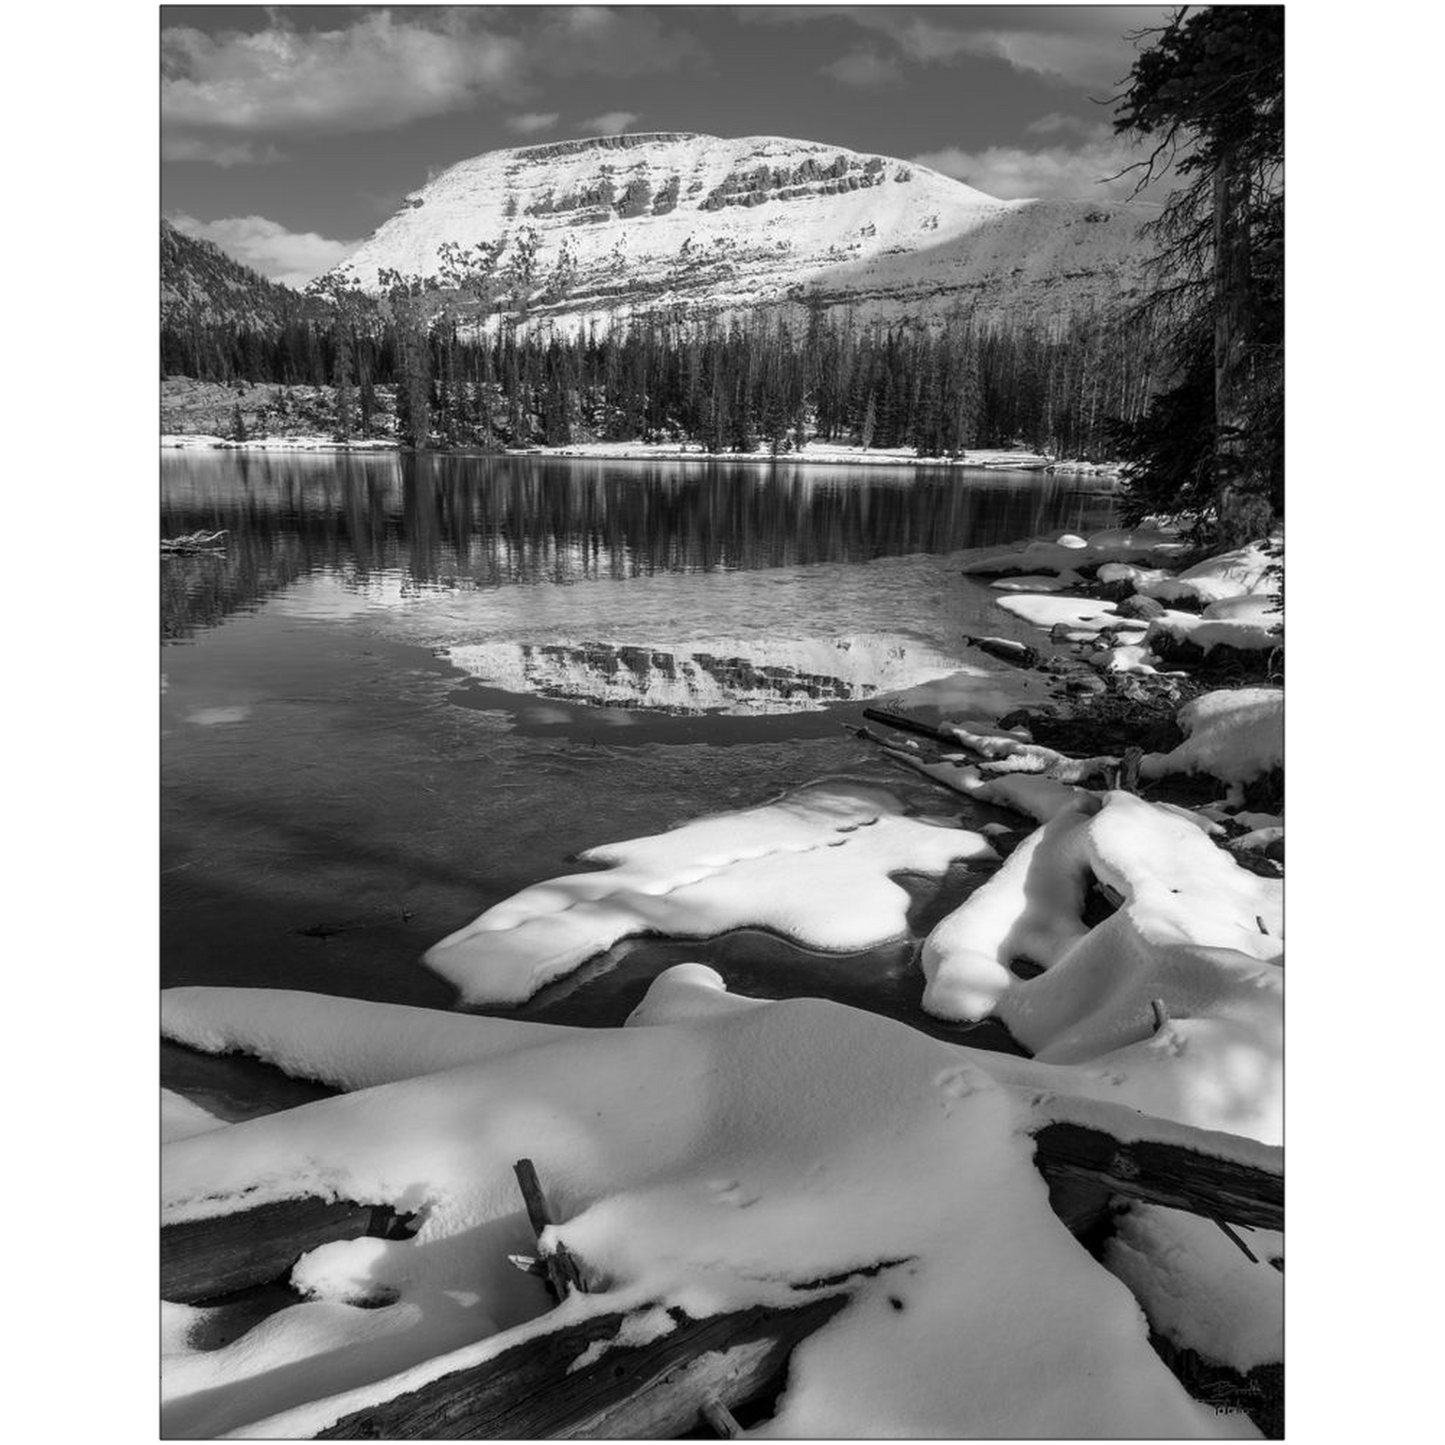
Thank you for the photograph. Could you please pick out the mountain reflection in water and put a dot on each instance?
(483, 522)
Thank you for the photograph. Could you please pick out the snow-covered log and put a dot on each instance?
(1163, 1172)
(602, 1378)
(202, 1259)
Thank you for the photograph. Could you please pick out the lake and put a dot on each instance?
(409, 687)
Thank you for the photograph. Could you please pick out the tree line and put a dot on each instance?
(762, 383)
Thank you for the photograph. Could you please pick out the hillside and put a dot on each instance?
(200, 283)
(592, 230)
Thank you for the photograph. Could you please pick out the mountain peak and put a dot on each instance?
(603, 226)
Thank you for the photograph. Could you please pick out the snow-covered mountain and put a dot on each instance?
(624, 224)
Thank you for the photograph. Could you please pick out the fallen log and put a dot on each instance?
(574, 1383)
(202, 1259)
(1020, 654)
(1162, 1171)
(902, 724)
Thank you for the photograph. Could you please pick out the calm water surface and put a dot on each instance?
(408, 688)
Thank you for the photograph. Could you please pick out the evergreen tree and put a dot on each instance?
(1212, 86)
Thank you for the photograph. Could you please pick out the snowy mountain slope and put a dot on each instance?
(623, 224)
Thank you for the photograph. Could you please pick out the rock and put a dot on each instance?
(1146, 609)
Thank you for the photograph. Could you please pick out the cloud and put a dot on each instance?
(1083, 45)
(532, 121)
(291, 257)
(613, 123)
(380, 69)
(376, 73)
(595, 40)
(1056, 123)
(224, 153)
(1057, 172)
(864, 68)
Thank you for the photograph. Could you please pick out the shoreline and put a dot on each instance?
(826, 455)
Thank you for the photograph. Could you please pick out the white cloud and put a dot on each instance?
(596, 40)
(291, 257)
(1082, 45)
(864, 68)
(1057, 172)
(613, 123)
(532, 121)
(373, 74)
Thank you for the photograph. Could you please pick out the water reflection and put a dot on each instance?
(482, 522)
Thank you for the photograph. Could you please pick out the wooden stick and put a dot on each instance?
(1249, 1254)
(563, 1272)
(720, 1419)
(578, 1383)
(204, 1258)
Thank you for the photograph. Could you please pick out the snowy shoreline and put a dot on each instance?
(717, 1147)
(814, 454)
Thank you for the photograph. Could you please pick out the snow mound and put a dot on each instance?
(362, 1044)
(813, 865)
(181, 1117)
(1199, 1289)
(1234, 735)
(1078, 614)
(1193, 931)
(1254, 627)
(1231, 574)
(706, 1164)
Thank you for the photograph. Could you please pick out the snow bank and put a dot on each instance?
(1234, 735)
(1038, 583)
(181, 1117)
(1068, 553)
(1194, 931)
(813, 865)
(1079, 614)
(306, 442)
(1257, 629)
(703, 1164)
(1199, 1289)
(815, 453)
(1230, 574)
(359, 1045)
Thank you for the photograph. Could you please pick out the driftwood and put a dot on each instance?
(903, 724)
(202, 1259)
(1006, 650)
(537, 1389)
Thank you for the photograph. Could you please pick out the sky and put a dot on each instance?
(289, 133)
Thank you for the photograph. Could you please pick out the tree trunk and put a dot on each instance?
(1231, 350)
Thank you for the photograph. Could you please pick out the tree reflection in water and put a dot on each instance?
(480, 522)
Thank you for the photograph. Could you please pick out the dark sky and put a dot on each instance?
(289, 132)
